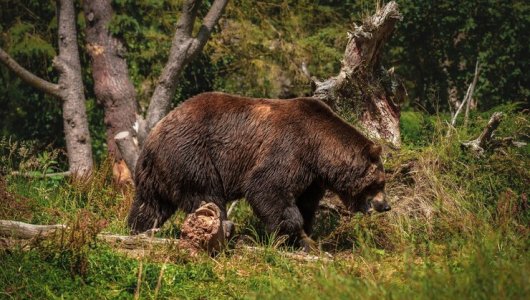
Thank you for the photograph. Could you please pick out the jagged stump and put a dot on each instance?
(203, 230)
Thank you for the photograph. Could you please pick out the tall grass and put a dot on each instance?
(458, 229)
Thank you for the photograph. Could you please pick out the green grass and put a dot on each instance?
(458, 230)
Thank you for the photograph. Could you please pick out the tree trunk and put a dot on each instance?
(70, 90)
(75, 121)
(363, 85)
(112, 85)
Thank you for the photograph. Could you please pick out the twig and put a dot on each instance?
(32, 175)
(300, 256)
(231, 208)
(473, 84)
(467, 97)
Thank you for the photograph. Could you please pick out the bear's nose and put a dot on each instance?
(386, 207)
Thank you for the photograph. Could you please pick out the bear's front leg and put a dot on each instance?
(281, 216)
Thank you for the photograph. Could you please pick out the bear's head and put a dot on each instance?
(368, 193)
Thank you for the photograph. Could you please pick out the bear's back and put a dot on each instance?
(217, 140)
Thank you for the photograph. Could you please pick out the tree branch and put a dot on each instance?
(465, 101)
(28, 77)
(209, 21)
(187, 17)
(183, 49)
(19, 235)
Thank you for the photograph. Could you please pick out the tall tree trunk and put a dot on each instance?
(69, 89)
(362, 84)
(112, 85)
(75, 121)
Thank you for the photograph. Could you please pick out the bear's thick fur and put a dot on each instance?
(280, 155)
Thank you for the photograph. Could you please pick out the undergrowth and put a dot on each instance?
(458, 229)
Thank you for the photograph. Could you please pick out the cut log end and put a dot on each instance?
(128, 148)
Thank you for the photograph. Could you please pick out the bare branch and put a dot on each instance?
(470, 96)
(28, 77)
(20, 235)
(37, 175)
(20, 230)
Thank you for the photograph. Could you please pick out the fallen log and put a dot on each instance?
(202, 231)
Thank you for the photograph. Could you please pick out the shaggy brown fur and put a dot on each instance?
(280, 155)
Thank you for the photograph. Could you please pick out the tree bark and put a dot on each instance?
(75, 121)
(112, 84)
(70, 89)
(362, 84)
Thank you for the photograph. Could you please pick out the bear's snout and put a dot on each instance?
(379, 202)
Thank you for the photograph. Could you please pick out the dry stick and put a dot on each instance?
(31, 175)
(469, 94)
(21, 230)
(473, 84)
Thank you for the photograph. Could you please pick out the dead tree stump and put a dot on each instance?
(478, 145)
(363, 85)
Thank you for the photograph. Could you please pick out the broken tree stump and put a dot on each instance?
(363, 85)
(203, 230)
(478, 145)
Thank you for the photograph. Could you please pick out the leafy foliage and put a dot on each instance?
(259, 48)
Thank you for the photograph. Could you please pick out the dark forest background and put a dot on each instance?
(259, 49)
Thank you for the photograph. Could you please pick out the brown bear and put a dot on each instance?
(280, 155)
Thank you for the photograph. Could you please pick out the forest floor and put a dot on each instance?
(459, 229)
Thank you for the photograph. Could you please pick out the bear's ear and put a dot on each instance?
(374, 151)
